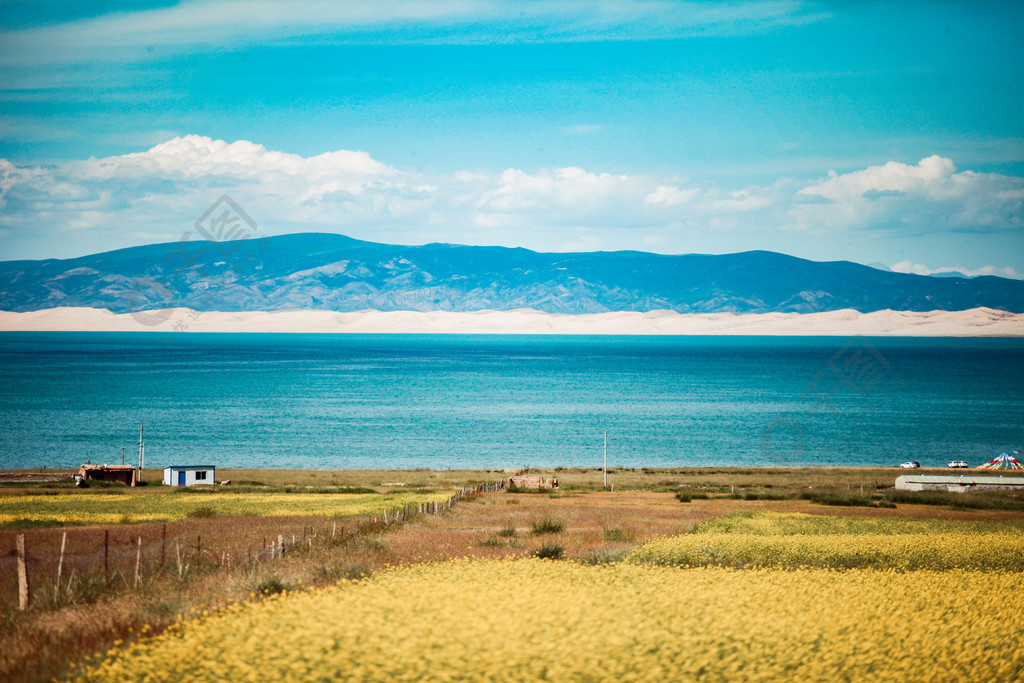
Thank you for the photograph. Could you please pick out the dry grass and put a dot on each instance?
(642, 515)
(40, 644)
(773, 481)
(714, 479)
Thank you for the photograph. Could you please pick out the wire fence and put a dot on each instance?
(93, 561)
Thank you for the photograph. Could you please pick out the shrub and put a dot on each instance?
(759, 496)
(833, 499)
(352, 572)
(202, 513)
(603, 557)
(550, 551)
(548, 525)
(270, 586)
(508, 531)
(687, 497)
(371, 543)
(616, 533)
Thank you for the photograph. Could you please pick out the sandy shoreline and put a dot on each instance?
(978, 322)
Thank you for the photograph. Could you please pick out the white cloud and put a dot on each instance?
(562, 190)
(931, 177)
(196, 156)
(227, 24)
(919, 269)
(928, 197)
(670, 195)
(88, 205)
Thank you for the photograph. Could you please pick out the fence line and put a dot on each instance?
(138, 558)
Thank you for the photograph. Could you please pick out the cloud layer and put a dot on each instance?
(227, 24)
(156, 195)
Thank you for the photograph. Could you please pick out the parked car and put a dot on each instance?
(959, 464)
(910, 465)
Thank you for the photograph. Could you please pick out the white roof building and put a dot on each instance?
(957, 484)
(189, 475)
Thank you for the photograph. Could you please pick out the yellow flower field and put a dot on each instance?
(796, 540)
(795, 523)
(544, 620)
(101, 508)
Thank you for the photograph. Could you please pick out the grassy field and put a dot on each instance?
(543, 620)
(122, 507)
(790, 541)
(592, 530)
(704, 479)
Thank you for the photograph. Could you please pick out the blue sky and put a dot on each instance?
(877, 132)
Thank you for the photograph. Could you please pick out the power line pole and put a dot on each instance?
(141, 450)
(606, 458)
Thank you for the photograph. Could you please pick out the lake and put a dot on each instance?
(479, 401)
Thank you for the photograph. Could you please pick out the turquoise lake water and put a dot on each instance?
(409, 401)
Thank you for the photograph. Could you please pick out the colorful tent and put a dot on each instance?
(1004, 461)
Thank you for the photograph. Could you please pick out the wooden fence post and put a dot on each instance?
(177, 553)
(22, 572)
(60, 564)
(106, 557)
(138, 561)
(163, 548)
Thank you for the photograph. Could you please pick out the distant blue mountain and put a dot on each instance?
(333, 272)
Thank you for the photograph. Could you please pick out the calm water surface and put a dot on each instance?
(408, 401)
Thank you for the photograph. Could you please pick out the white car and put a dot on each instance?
(911, 465)
(958, 464)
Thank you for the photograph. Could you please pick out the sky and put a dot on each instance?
(877, 132)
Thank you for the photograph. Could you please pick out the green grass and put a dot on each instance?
(548, 525)
(614, 534)
(980, 500)
(163, 504)
(788, 524)
(792, 541)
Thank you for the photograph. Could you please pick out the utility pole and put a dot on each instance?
(141, 450)
(606, 458)
(122, 455)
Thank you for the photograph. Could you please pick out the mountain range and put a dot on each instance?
(334, 272)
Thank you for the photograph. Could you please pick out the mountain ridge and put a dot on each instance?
(327, 271)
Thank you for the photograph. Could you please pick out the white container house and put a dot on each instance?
(960, 484)
(189, 475)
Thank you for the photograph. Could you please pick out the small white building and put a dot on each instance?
(189, 475)
(960, 484)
